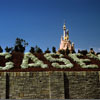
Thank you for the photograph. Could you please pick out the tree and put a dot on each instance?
(98, 53)
(38, 49)
(92, 51)
(47, 51)
(62, 52)
(1, 50)
(73, 51)
(79, 51)
(8, 49)
(67, 51)
(84, 52)
(20, 45)
(54, 49)
(32, 50)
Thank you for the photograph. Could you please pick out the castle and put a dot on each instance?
(65, 42)
(49, 83)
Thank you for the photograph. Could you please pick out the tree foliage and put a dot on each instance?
(32, 50)
(84, 52)
(54, 49)
(7, 49)
(67, 51)
(62, 52)
(1, 50)
(38, 49)
(47, 51)
(20, 45)
(73, 51)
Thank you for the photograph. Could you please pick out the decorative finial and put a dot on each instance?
(64, 26)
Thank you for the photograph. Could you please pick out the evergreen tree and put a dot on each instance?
(1, 50)
(32, 50)
(92, 51)
(38, 49)
(8, 49)
(79, 51)
(67, 51)
(20, 45)
(73, 51)
(62, 52)
(47, 51)
(84, 52)
(54, 49)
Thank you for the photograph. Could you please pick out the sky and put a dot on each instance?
(40, 22)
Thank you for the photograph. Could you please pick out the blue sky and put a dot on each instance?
(40, 22)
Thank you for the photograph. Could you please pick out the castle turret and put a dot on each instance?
(66, 32)
(65, 42)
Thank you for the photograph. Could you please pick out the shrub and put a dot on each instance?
(37, 62)
(99, 56)
(81, 62)
(97, 53)
(90, 55)
(54, 49)
(79, 51)
(67, 63)
(47, 51)
(84, 52)
(8, 49)
(67, 51)
(73, 51)
(20, 45)
(1, 50)
(62, 52)
(8, 66)
(32, 50)
(6, 54)
(38, 49)
(92, 51)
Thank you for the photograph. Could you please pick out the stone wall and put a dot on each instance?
(32, 85)
(2, 85)
(50, 85)
(83, 85)
(29, 85)
(56, 85)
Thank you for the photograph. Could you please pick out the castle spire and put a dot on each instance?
(64, 30)
(65, 42)
(64, 26)
(67, 36)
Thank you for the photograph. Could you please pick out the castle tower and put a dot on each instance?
(65, 42)
(66, 32)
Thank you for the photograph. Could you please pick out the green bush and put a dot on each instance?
(62, 52)
(20, 45)
(47, 51)
(54, 49)
(32, 50)
(8, 49)
(38, 49)
(1, 50)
